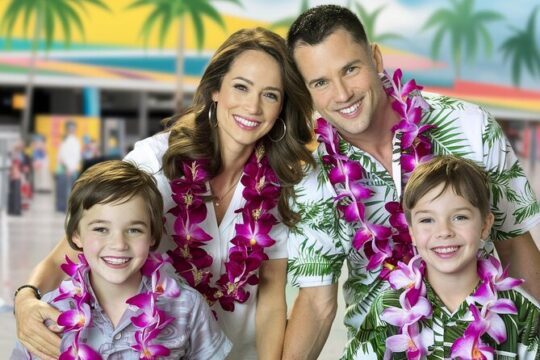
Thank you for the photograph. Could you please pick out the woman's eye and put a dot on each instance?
(272, 96)
(240, 87)
(319, 83)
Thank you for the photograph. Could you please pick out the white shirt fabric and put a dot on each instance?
(239, 326)
(69, 153)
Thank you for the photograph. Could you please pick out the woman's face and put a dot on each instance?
(249, 100)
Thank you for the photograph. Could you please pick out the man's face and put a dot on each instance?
(342, 78)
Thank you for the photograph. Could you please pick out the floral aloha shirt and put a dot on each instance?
(522, 329)
(321, 242)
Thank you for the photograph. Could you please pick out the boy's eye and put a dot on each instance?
(100, 229)
(135, 231)
(425, 221)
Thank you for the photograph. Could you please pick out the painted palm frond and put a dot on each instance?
(48, 15)
(286, 22)
(446, 138)
(466, 30)
(369, 20)
(521, 49)
(165, 13)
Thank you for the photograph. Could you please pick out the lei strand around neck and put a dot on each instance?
(150, 322)
(484, 305)
(192, 261)
(381, 245)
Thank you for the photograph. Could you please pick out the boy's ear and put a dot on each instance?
(486, 228)
(77, 239)
(411, 234)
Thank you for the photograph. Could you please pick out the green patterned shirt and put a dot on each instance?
(321, 242)
(522, 329)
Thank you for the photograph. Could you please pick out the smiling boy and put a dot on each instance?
(446, 203)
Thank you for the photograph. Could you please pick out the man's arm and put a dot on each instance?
(522, 257)
(31, 313)
(310, 321)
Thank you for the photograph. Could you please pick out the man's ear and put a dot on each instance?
(376, 57)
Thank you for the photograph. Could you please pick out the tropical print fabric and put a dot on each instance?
(522, 329)
(321, 242)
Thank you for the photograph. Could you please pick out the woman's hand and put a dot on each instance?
(31, 314)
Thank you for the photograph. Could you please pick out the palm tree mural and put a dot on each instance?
(369, 20)
(165, 13)
(43, 17)
(522, 49)
(465, 27)
(288, 21)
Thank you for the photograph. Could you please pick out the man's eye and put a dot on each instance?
(135, 231)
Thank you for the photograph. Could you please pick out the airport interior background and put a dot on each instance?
(111, 80)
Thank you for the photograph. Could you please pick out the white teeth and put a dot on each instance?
(246, 122)
(115, 260)
(446, 250)
(350, 109)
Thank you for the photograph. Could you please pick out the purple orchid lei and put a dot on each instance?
(150, 322)
(192, 262)
(484, 305)
(381, 244)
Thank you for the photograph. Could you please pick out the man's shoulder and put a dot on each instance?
(438, 102)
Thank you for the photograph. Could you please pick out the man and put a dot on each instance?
(343, 74)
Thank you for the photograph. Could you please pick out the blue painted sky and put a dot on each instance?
(407, 17)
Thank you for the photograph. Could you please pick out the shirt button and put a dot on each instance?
(118, 336)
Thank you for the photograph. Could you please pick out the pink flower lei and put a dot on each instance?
(150, 322)
(192, 262)
(484, 305)
(381, 244)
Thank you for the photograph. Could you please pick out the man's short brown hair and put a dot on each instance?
(110, 182)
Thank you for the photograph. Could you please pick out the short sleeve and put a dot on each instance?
(514, 203)
(319, 242)
(207, 340)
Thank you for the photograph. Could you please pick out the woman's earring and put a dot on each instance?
(282, 135)
(211, 109)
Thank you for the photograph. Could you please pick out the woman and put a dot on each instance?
(233, 158)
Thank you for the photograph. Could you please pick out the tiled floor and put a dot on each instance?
(25, 240)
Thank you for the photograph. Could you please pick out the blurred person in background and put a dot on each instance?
(67, 165)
